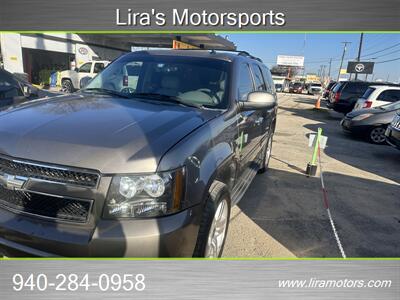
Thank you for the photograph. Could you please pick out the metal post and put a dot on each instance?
(359, 51)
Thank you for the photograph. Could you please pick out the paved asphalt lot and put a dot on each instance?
(282, 214)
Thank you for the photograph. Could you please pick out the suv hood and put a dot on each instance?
(111, 135)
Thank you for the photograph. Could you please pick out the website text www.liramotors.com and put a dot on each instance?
(334, 283)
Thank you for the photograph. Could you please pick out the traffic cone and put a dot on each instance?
(318, 103)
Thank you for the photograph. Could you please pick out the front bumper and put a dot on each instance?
(169, 236)
(350, 126)
(393, 137)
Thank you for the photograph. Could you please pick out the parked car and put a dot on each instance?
(278, 87)
(377, 95)
(345, 94)
(371, 123)
(393, 132)
(314, 88)
(296, 87)
(143, 167)
(71, 79)
(328, 88)
(13, 90)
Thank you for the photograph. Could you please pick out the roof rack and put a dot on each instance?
(239, 52)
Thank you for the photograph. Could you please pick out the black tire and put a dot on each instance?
(66, 86)
(377, 135)
(217, 193)
(265, 161)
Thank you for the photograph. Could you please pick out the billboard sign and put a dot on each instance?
(360, 67)
(290, 60)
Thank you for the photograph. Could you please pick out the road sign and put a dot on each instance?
(290, 60)
(360, 67)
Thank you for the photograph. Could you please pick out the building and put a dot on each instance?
(33, 53)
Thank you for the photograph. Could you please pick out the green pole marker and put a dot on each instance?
(241, 141)
(315, 153)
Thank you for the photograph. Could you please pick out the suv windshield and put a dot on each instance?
(195, 81)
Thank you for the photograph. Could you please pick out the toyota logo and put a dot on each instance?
(359, 67)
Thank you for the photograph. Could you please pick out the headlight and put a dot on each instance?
(151, 195)
(361, 117)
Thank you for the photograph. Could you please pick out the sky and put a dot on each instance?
(317, 49)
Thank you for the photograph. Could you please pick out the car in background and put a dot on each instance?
(377, 96)
(392, 133)
(371, 123)
(278, 87)
(13, 90)
(327, 90)
(71, 79)
(345, 94)
(296, 87)
(314, 88)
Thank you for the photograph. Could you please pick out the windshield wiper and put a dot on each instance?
(168, 98)
(108, 92)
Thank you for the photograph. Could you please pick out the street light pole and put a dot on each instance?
(359, 51)
(341, 61)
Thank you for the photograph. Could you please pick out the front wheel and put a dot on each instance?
(377, 135)
(66, 86)
(214, 224)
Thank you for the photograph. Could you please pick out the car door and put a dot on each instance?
(83, 71)
(248, 121)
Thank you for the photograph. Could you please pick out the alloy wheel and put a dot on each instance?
(216, 235)
(377, 135)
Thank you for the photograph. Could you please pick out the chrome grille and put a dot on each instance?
(50, 173)
(396, 122)
(47, 206)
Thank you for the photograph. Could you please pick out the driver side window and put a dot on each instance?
(85, 68)
(245, 84)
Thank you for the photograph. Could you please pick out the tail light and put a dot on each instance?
(367, 104)
(337, 97)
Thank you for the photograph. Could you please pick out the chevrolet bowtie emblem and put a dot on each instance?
(12, 182)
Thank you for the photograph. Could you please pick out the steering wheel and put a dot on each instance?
(128, 90)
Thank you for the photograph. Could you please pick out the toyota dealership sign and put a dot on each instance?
(360, 67)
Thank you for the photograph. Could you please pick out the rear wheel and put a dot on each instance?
(214, 224)
(66, 86)
(377, 135)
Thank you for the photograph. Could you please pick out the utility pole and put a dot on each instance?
(359, 51)
(329, 70)
(341, 61)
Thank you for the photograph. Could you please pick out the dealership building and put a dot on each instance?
(32, 53)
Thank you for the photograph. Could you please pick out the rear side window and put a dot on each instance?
(390, 95)
(245, 84)
(258, 78)
(355, 88)
(368, 93)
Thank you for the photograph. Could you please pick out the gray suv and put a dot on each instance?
(147, 160)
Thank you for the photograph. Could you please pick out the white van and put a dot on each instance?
(378, 95)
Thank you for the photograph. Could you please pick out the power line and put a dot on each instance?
(381, 62)
(369, 54)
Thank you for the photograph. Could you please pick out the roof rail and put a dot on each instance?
(239, 52)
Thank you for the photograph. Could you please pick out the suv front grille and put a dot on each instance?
(396, 122)
(50, 173)
(66, 209)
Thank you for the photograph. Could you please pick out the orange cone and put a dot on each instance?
(318, 103)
